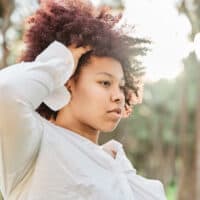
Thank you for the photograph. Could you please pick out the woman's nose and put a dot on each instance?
(117, 96)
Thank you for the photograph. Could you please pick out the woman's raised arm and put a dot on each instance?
(23, 87)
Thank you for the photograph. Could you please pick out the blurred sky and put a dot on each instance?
(157, 20)
(160, 20)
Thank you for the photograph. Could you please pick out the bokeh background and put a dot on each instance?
(162, 136)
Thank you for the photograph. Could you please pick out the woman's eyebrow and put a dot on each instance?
(108, 74)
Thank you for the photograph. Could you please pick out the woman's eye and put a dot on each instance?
(122, 87)
(105, 83)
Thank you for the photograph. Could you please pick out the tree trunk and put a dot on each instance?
(7, 9)
(186, 180)
(197, 153)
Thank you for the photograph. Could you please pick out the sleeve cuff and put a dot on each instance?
(60, 96)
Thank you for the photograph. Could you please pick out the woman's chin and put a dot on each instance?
(109, 128)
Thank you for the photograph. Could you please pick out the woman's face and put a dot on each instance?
(97, 91)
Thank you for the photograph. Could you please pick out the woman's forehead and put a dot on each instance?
(106, 66)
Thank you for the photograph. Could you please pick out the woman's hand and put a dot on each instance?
(77, 52)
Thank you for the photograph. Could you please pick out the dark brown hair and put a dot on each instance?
(80, 23)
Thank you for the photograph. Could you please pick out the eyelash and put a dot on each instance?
(108, 82)
(122, 87)
(101, 82)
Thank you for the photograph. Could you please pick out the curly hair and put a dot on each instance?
(80, 23)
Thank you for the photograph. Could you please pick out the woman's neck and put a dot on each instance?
(67, 121)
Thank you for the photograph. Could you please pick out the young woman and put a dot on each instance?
(76, 79)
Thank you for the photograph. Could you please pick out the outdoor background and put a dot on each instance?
(162, 137)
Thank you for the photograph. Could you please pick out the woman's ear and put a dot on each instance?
(69, 85)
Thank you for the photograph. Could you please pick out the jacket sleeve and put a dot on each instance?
(142, 188)
(23, 87)
(145, 189)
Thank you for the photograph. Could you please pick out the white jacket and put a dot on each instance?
(42, 161)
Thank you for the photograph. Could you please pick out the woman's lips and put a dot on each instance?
(116, 112)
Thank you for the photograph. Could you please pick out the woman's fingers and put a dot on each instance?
(77, 52)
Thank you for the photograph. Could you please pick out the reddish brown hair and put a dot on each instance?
(80, 23)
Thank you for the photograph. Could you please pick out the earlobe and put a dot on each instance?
(68, 85)
(68, 88)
